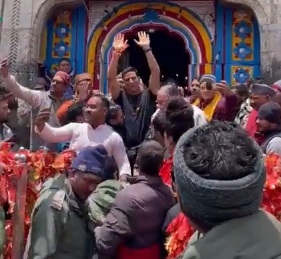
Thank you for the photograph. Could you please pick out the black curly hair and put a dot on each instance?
(179, 117)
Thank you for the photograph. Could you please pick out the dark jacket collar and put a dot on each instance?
(150, 180)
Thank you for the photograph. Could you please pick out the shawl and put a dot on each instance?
(166, 171)
(209, 110)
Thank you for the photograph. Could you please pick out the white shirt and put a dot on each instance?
(81, 135)
(198, 116)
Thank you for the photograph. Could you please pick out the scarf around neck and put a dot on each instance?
(209, 110)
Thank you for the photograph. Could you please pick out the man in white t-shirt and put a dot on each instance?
(91, 133)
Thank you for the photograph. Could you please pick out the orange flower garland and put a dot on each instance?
(166, 171)
(43, 165)
(179, 232)
(272, 189)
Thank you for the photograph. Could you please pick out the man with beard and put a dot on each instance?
(269, 125)
(91, 133)
(137, 104)
(38, 99)
(168, 91)
(216, 100)
(259, 94)
(64, 65)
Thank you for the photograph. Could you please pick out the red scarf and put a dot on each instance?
(251, 126)
(166, 171)
(179, 232)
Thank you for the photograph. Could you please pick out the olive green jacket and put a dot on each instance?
(254, 237)
(59, 224)
(101, 200)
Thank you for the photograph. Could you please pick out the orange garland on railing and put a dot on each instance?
(43, 165)
(272, 188)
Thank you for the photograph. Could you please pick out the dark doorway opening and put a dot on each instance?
(169, 50)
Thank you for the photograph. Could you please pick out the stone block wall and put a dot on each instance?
(21, 33)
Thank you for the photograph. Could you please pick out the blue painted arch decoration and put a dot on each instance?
(130, 15)
(242, 56)
(65, 37)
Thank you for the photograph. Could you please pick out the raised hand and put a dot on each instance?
(4, 69)
(223, 88)
(119, 43)
(144, 40)
(42, 117)
(83, 90)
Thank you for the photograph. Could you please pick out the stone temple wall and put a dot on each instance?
(205, 10)
(23, 21)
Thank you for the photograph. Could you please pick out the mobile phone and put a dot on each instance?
(209, 86)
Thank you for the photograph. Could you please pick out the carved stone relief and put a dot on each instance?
(97, 10)
(205, 11)
(13, 52)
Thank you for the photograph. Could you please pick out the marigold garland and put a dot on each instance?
(179, 232)
(46, 164)
(272, 189)
(43, 165)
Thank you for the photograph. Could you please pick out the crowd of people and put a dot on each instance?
(161, 171)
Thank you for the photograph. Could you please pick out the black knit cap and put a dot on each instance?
(262, 89)
(216, 201)
(270, 112)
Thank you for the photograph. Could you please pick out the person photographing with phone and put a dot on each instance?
(51, 99)
(216, 99)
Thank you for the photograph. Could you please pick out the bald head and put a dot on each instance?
(169, 89)
(164, 93)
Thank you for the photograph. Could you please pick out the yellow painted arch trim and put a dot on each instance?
(91, 58)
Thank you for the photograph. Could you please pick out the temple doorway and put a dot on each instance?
(169, 50)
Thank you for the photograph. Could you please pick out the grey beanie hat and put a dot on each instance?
(214, 201)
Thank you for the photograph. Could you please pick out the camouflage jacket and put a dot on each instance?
(101, 201)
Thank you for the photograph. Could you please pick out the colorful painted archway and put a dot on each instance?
(169, 15)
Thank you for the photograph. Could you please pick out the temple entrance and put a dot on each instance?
(169, 50)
